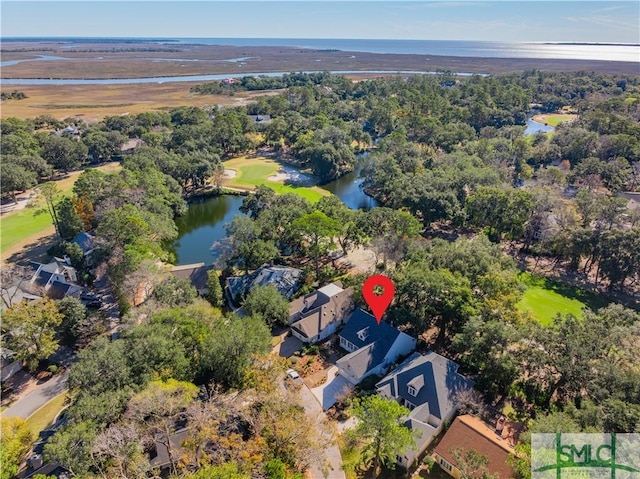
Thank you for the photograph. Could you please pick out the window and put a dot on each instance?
(363, 334)
(445, 465)
(412, 391)
(409, 405)
(346, 344)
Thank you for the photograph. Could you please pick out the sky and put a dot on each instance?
(509, 21)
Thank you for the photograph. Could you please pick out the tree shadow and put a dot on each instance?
(33, 251)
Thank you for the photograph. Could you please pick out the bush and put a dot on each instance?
(369, 383)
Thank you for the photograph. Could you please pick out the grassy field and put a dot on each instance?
(93, 102)
(545, 298)
(554, 119)
(43, 417)
(254, 171)
(23, 224)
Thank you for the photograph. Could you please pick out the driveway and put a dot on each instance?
(288, 346)
(335, 386)
(37, 398)
(332, 458)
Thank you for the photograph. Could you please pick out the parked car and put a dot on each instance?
(88, 295)
(293, 374)
(93, 303)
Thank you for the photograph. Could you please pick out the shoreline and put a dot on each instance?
(123, 60)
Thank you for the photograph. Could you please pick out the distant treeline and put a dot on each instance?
(22, 50)
(126, 50)
(252, 83)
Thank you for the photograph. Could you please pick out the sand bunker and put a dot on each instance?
(230, 173)
(291, 175)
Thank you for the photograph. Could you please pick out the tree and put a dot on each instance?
(246, 248)
(502, 211)
(120, 448)
(103, 145)
(224, 471)
(253, 254)
(619, 256)
(69, 221)
(319, 230)
(157, 408)
(30, 328)
(73, 315)
(285, 428)
(15, 178)
(381, 426)
(49, 191)
(13, 279)
(72, 447)
(215, 294)
(268, 303)
(471, 464)
(484, 346)
(63, 153)
(102, 368)
(175, 291)
(426, 297)
(390, 230)
(15, 441)
(229, 350)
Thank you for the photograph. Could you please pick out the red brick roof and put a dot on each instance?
(471, 434)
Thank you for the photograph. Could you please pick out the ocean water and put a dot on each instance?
(458, 48)
(479, 49)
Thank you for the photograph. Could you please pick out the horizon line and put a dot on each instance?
(152, 38)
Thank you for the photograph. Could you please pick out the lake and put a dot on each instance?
(203, 224)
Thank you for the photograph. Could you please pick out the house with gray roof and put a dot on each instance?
(85, 241)
(318, 315)
(372, 347)
(56, 279)
(427, 385)
(285, 279)
(17, 293)
(196, 273)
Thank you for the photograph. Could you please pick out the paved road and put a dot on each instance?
(37, 398)
(320, 421)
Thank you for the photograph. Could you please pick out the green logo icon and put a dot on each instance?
(588, 456)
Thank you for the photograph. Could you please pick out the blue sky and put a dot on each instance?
(538, 20)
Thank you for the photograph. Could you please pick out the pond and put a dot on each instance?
(534, 127)
(203, 224)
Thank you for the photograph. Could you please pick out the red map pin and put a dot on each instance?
(378, 302)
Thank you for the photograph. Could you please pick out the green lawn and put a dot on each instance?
(545, 298)
(43, 417)
(556, 118)
(22, 224)
(253, 172)
(19, 225)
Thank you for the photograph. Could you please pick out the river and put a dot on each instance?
(190, 78)
(203, 224)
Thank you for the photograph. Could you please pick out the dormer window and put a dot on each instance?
(363, 334)
(415, 385)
